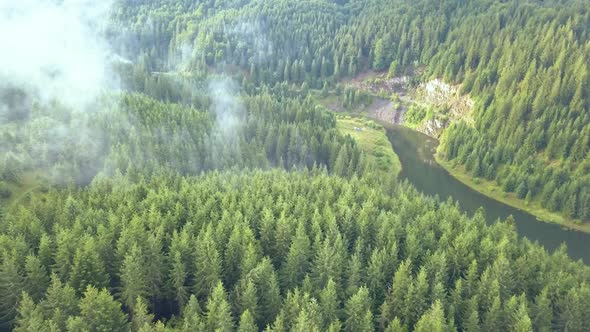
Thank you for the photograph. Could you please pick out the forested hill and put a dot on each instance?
(213, 192)
(524, 62)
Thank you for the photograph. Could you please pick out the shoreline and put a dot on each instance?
(485, 187)
(541, 214)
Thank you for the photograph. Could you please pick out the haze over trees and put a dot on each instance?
(524, 62)
(211, 192)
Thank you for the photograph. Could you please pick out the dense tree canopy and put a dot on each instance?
(526, 62)
(254, 249)
(213, 193)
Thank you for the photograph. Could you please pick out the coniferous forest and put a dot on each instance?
(199, 182)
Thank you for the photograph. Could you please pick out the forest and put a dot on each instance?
(273, 250)
(212, 191)
(524, 62)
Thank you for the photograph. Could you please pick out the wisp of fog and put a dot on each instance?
(54, 50)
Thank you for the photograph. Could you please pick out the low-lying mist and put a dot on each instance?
(54, 50)
(61, 112)
(54, 69)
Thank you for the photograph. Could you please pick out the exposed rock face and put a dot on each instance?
(444, 95)
(433, 127)
(384, 110)
(447, 98)
(376, 83)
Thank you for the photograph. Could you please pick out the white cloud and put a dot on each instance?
(55, 49)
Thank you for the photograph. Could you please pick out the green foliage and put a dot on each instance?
(98, 312)
(286, 223)
(433, 320)
(417, 114)
(532, 90)
(218, 311)
(358, 312)
(343, 240)
(30, 318)
(247, 323)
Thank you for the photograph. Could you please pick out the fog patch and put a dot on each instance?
(226, 106)
(55, 66)
(251, 35)
(53, 50)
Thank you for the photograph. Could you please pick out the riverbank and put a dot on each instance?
(371, 138)
(491, 190)
(445, 104)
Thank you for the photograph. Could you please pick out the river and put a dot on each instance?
(416, 153)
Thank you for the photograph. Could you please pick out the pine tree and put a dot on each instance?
(353, 280)
(88, 268)
(141, 319)
(46, 251)
(376, 275)
(154, 259)
(247, 323)
(379, 61)
(329, 260)
(278, 325)
(178, 280)
(64, 253)
(234, 254)
(341, 163)
(521, 319)
(11, 288)
(246, 298)
(60, 302)
(297, 262)
(192, 319)
(267, 286)
(542, 312)
(329, 304)
(250, 260)
(29, 317)
(394, 305)
(396, 326)
(218, 310)
(335, 326)
(36, 278)
(133, 278)
(358, 312)
(304, 323)
(393, 69)
(207, 264)
(99, 312)
(493, 319)
(471, 323)
(433, 320)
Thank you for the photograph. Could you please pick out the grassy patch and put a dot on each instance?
(492, 190)
(371, 137)
(28, 183)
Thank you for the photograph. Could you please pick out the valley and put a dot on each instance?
(430, 108)
(294, 165)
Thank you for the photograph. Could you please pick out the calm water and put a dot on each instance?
(416, 150)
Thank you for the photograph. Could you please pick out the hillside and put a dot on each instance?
(524, 63)
(199, 165)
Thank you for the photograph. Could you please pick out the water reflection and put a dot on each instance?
(416, 151)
